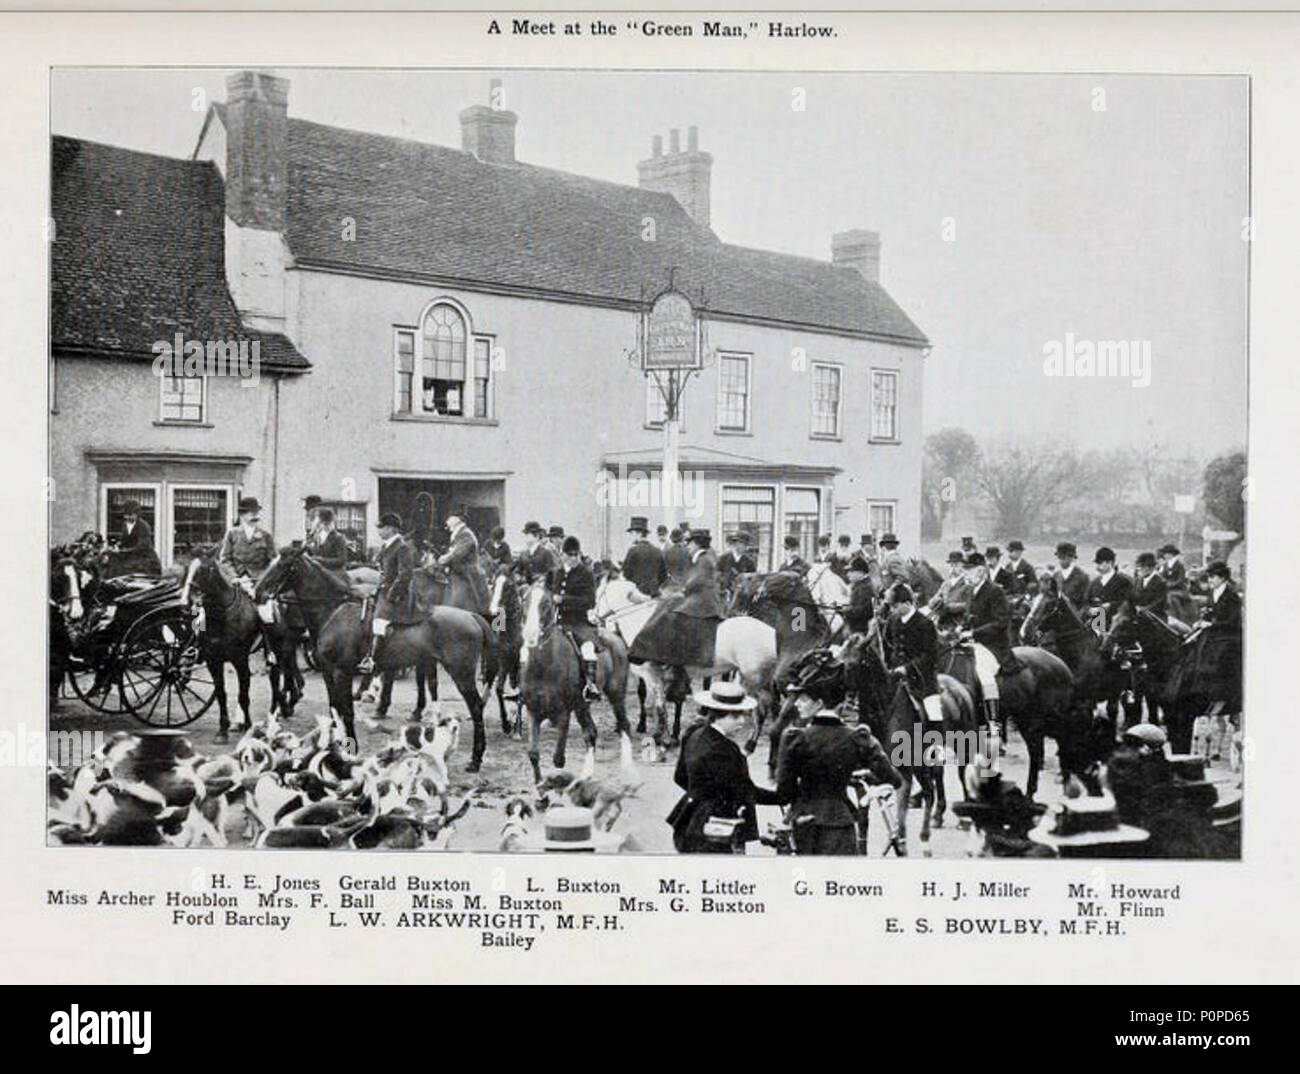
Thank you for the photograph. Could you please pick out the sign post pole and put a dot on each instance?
(668, 476)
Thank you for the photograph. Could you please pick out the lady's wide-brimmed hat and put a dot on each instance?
(568, 829)
(724, 696)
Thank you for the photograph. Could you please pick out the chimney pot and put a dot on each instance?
(488, 131)
(686, 176)
(693, 138)
(675, 140)
(657, 146)
(257, 108)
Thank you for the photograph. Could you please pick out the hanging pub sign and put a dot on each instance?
(672, 334)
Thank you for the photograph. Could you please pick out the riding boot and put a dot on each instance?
(479, 748)
(994, 719)
(590, 691)
(369, 661)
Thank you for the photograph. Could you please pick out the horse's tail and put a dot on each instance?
(490, 653)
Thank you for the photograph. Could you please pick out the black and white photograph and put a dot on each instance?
(659, 462)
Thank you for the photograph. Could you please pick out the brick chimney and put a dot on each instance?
(859, 250)
(257, 107)
(683, 174)
(488, 130)
(257, 193)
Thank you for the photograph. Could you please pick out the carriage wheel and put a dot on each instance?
(97, 682)
(164, 680)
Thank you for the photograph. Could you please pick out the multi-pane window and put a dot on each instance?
(200, 515)
(145, 495)
(350, 520)
(826, 400)
(884, 404)
(405, 370)
(482, 377)
(440, 369)
(880, 518)
(182, 399)
(733, 393)
(656, 410)
(803, 519)
(751, 509)
(443, 368)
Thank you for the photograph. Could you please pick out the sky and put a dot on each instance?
(1018, 213)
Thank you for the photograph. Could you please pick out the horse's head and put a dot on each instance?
(203, 574)
(539, 614)
(742, 595)
(280, 573)
(1051, 610)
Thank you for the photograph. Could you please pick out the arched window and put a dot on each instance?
(434, 375)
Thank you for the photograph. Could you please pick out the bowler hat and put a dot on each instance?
(311, 501)
(249, 504)
(725, 695)
(555, 531)
(130, 507)
(824, 540)
(390, 520)
(791, 542)
(1015, 546)
(889, 540)
(533, 527)
(974, 559)
(571, 547)
(1104, 555)
(1169, 550)
(661, 530)
(859, 563)
(1146, 559)
(702, 536)
(993, 552)
(955, 556)
(1066, 548)
(901, 593)
(738, 537)
(639, 524)
(498, 533)
(1218, 568)
(844, 540)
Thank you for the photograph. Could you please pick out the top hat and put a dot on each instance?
(533, 527)
(1015, 546)
(725, 696)
(889, 540)
(1066, 548)
(1104, 555)
(968, 539)
(639, 524)
(249, 504)
(391, 520)
(866, 539)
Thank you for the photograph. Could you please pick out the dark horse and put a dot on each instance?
(1185, 681)
(232, 628)
(551, 680)
(1039, 699)
(458, 639)
(505, 612)
(1097, 675)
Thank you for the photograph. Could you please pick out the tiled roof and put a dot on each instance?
(139, 255)
(426, 211)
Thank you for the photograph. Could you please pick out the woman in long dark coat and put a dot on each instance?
(712, 770)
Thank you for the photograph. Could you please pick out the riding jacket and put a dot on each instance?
(245, 557)
(644, 567)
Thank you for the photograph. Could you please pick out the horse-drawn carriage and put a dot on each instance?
(126, 644)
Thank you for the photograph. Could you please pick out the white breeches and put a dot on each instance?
(986, 670)
(933, 708)
(379, 627)
(266, 612)
(588, 651)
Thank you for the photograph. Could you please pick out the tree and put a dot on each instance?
(951, 459)
(1224, 491)
(1024, 483)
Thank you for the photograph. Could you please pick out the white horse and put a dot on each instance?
(831, 594)
(744, 646)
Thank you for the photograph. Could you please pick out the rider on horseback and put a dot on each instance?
(462, 559)
(246, 552)
(397, 560)
(912, 650)
(574, 591)
(989, 623)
